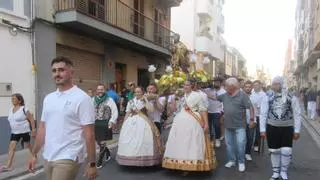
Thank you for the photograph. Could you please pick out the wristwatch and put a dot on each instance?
(92, 164)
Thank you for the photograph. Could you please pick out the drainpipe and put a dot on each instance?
(33, 52)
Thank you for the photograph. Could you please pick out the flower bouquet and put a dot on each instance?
(171, 79)
(200, 76)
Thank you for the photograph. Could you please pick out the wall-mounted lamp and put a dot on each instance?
(13, 30)
(8, 87)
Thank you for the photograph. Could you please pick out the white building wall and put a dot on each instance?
(16, 61)
(183, 19)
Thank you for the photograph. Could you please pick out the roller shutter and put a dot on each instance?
(87, 66)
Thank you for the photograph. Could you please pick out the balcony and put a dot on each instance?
(115, 22)
(170, 3)
(221, 24)
(204, 9)
(204, 44)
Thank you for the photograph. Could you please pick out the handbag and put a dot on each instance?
(35, 122)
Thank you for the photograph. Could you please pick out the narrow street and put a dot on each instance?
(305, 165)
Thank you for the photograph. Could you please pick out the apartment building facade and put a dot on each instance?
(289, 66)
(307, 47)
(200, 25)
(109, 41)
(16, 75)
(234, 64)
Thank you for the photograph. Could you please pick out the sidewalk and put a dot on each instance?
(313, 127)
(19, 164)
(21, 159)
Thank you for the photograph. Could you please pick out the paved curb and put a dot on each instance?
(19, 174)
(41, 167)
(314, 133)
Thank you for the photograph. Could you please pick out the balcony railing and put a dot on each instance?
(118, 14)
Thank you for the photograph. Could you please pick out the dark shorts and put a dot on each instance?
(279, 137)
(158, 125)
(24, 136)
(102, 131)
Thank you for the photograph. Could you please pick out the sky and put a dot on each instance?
(260, 30)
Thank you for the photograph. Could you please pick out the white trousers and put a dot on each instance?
(312, 105)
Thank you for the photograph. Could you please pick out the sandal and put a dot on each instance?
(5, 169)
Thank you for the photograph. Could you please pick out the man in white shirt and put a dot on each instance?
(215, 109)
(155, 105)
(257, 97)
(67, 127)
(250, 130)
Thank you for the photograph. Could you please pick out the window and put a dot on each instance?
(97, 9)
(27, 8)
(20, 8)
(6, 4)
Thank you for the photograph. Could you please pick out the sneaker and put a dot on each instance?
(108, 158)
(99, 166)
(221, 138)
(256, 148)
(242, 167)
(230, 164)
(272, 178)
(218, 143)
(248, 157)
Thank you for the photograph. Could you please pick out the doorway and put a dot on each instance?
(120, 71)
(143, 78)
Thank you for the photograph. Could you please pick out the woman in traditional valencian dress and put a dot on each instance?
(139, 141)
(188, 147)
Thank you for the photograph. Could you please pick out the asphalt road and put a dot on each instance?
(305, 165)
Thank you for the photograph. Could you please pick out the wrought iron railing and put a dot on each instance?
(120, 15)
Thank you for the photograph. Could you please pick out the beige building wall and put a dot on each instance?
(79, 42)
(317, 23)
(228, 63)
(133, 61)
(45, 9)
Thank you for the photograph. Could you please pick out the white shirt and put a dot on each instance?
(18, 121)
(156, 114)
(171, 98)
(65, 114)
(114, 111)
(248, 113)
(215, 106)
(205, 98)
(257, 99)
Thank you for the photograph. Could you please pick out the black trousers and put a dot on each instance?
(279, 137)
(214, 125)
(257, 137)
(250, 133)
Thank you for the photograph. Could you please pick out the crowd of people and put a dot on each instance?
(178, 129)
